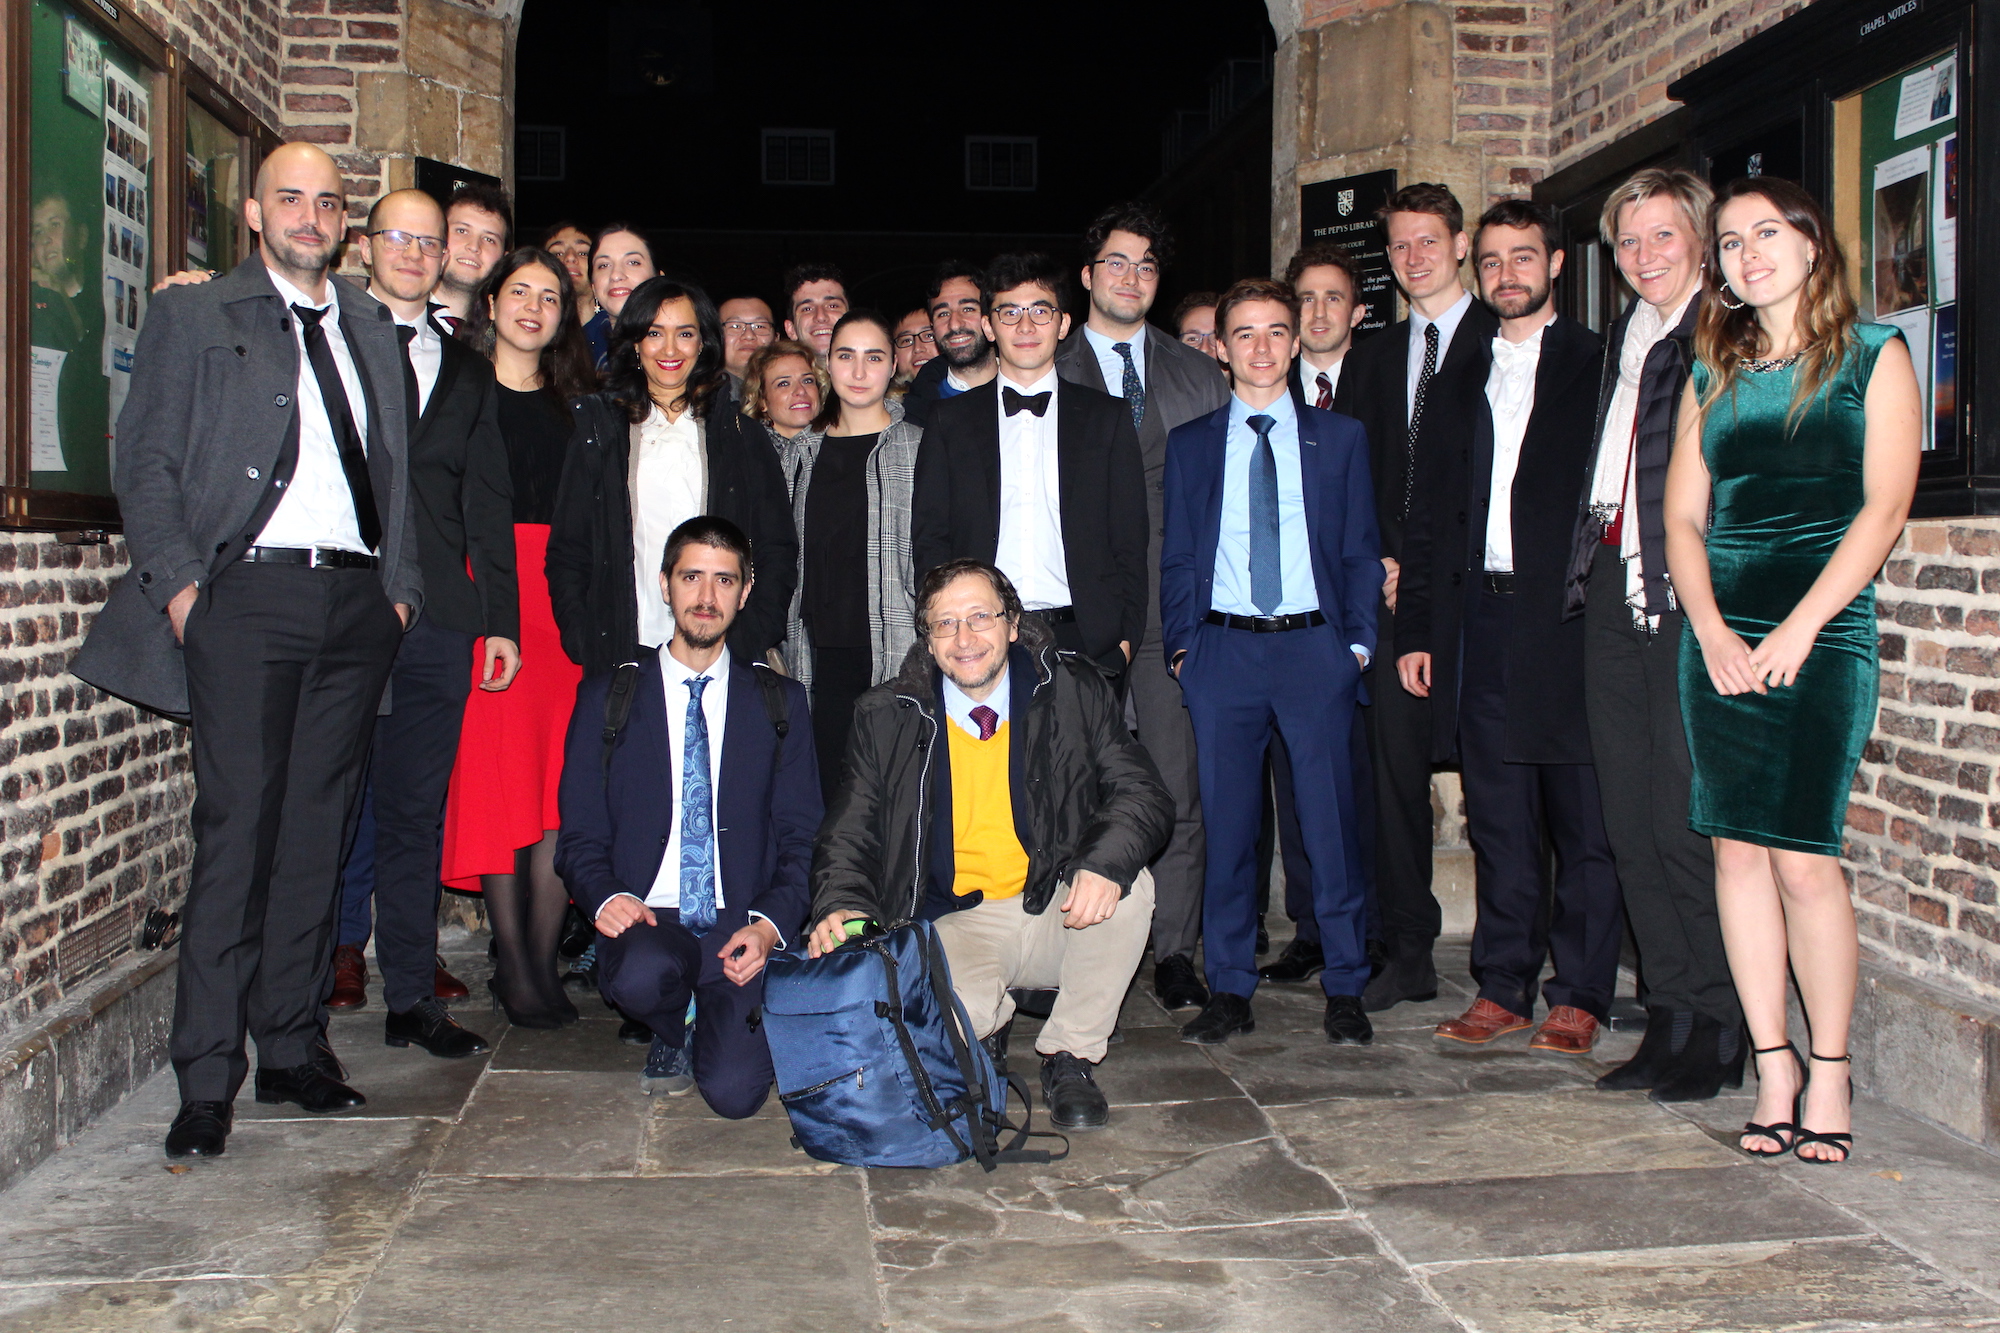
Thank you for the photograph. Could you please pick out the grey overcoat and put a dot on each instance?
(211, 409)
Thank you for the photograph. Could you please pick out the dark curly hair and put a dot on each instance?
(1137, 218)
(565, 361)
(626, 379)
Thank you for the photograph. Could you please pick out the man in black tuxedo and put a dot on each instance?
(1040, 478)
(1418, 387)
(1164, 383)
(264, 485)
(464, 501)
(1480, 632)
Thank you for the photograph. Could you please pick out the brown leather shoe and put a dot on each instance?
(350, 979)
(1480, 1024)
(1566, 1031)
(447, 986)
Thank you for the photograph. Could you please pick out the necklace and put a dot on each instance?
(1774, 363)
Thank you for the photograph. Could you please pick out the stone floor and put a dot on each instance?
(1275, 1184)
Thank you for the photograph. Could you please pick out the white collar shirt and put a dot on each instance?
(1111, 362)
(669, 487)
(958, 705)
(317, 508)
(1613, 488)
(1447, 324)
(1510, 393)
(674, 676)
(1310, 377)
(1030, 549)
(426, 355)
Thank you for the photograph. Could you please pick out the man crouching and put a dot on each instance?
(992, 777)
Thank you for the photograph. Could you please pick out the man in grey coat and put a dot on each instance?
(1165, 383)
(263, 479)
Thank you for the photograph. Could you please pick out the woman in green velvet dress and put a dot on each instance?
(1800, 434)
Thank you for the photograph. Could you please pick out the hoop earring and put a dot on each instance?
(1721, 295)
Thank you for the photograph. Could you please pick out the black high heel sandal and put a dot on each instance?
(1844, 1142)
(1782, 1132)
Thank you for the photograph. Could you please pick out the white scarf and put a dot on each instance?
(1615, 487)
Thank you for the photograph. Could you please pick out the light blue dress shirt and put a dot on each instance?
(958, 705)
(1232, 549)
(1111, 365)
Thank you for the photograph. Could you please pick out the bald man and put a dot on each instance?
(264, 484)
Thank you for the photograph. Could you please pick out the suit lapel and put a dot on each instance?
(1073, 438)
(1083, 360)
(986, 441)
(448, 370)
(1209, 502)
(746, 738)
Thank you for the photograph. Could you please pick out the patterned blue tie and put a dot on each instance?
(697, 819)
(1134, 389)
(1267, 579)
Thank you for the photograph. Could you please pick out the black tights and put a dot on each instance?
(526, 911)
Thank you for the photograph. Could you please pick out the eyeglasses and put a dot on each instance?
(1118, 266)
(738, 327)
(428, 246)
(978, 622)
(912, 339)
(1041, 312)
(1201, 340)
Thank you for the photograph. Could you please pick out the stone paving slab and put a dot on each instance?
(1280, 1067)
(537, 1123)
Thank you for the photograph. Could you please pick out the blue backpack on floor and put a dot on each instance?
(876, 1061)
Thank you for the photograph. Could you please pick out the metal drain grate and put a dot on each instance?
(93, 944)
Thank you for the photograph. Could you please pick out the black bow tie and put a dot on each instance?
(1037, 403)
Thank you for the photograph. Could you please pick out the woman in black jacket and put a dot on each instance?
(649, 445)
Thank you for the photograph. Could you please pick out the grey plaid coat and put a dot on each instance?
(892, 579)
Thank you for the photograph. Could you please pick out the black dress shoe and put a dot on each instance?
(323, 1059)
(1651, 1061)
(430, 1025)
(634, 1033)
(1300, 960)
(1711, 1061)
(309, 1086)
(995, 1043)
(1176, 983)
(1263, 940)
(1411, 978)
(1221, 1018)
(1345, 1023)
(200, 1130)
(1071, 1094)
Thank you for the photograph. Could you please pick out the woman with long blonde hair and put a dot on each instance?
(1792, 473)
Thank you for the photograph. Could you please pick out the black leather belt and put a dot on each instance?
(1056, 615)
(1503, 584)
(1266, 624)
(316, 557)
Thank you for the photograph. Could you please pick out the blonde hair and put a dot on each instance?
(1689, 192)
(760, 361)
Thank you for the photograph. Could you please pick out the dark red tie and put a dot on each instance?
(1325, 393)
(988, 720)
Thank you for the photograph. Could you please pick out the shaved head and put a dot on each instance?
(412, 208)
(289, 161)
(299, 213)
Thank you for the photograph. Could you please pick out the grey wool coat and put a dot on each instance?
(211, 410)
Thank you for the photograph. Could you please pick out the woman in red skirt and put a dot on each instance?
(500, 819)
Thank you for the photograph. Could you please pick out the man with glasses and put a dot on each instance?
(956, 304)
(916, 346)
(1046, 813)
(1163, 383)
(747, 324)
(815, 299)
(478, 221)
(1194, 321)
(1039, 477)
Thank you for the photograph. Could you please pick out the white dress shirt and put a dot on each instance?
(666, 890)
(1110, 364)
(1030, 550)
(958, 705)
(1510, 392)
(1614, 487)
(317, 508)
(426, 357)
(1309, 374)
(1447, 324)
(669, 487)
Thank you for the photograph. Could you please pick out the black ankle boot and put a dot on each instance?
(1711, 1061)
(1650, 1062)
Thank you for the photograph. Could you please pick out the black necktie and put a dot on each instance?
(1134, 390)
(411, 391)
(1424, 378)
(1037, 403)
(340, 415)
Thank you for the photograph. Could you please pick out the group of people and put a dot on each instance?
(1018, 614)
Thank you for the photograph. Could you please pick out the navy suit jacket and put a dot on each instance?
(1344, 543)
(767, 800)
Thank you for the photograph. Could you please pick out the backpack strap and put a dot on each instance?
(773, 691)
(618, 706)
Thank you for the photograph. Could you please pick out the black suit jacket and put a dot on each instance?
(1374, 390)
(955, 510)
(465, 500)
(1444, 553)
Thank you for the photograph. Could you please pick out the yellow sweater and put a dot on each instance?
(987, 851)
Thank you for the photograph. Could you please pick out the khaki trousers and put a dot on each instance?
(998, 944)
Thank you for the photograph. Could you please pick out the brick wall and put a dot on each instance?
(94, 794)
(1923, 829)
(234, 42)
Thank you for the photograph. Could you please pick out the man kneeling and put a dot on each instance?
(993, 777)
(689, 839)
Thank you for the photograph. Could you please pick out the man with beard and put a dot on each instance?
(956, 304)
(682, 911)
(815, 299)
(1479, 631)
(477, 224)
(267, 503)
(1164, 383)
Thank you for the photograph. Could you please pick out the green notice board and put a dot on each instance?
(91, 123)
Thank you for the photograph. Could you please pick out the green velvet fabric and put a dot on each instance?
(1774, 769)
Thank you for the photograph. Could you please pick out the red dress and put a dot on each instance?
(510, 750)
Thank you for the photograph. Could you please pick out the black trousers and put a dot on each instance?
(285, 669)
(416, 744)
(1632, 690)
(1405, 911)
(1164, 729)
(840, 676)
(1510, 809)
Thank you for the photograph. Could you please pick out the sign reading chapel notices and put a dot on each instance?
(1343, 211)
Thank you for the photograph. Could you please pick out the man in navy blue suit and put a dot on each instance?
(688, 837)
(1269, 572)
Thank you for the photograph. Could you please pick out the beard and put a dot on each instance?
(974, 352)
(1518, 304)
(456, 283)
(695, 638)
(294, 254)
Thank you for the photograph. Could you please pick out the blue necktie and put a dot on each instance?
(1267, 580)
(697, 819)
(1135, 392)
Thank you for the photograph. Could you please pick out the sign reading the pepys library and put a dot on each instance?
(1343, 211)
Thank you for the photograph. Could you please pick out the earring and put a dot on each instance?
(1722, 296)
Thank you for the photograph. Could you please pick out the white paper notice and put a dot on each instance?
(1944, 220)
(128, 155)
(45, 367)
(1927, 97)
(1916, 327)
(1902, 166)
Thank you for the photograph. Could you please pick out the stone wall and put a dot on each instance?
(234, 42)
